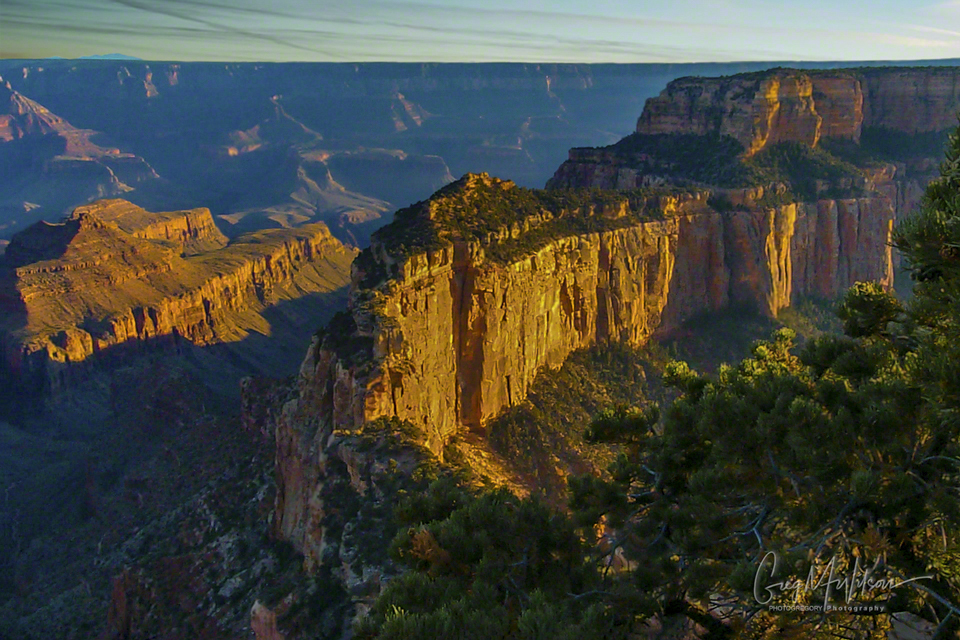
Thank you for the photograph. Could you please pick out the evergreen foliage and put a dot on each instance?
(488, 565)
(542, 436)
(718, 160)
(842, 455)
(839, 458)
(802, 168)
(709, 159)
(899, 146)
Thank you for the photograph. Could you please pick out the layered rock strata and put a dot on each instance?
(448, 337)
(610, 170)
(81, 288)
(762, 109)
(194, 229)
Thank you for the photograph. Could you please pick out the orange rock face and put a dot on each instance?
(193, 229)
(755, 109)
(85, 286)
(789, 105)
(263, 623)
(458, 337)
(839, 101)
(911, 100)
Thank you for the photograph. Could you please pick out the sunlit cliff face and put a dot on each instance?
(113, 274)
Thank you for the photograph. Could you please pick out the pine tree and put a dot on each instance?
(842, 455)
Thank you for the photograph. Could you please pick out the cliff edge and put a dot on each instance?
(785, 135)
(761, 109)
(114, 275)
(459, 302)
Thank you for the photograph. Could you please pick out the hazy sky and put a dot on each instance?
(483, 30)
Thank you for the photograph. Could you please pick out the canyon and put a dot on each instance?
(455, 306)
(124, 335)
(449, 337)
(46, 162)
(114, 275)
(268, 146)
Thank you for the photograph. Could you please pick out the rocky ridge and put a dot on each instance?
(884, 128)
(86, 286)
(194, 229)
(448, 335)
(764, 108)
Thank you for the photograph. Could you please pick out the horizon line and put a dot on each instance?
(95, 59)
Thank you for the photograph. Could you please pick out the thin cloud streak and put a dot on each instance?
(383, 30)
(517, 40)
(937, 30)
(222, 27)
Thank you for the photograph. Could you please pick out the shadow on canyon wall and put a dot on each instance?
(128, 436)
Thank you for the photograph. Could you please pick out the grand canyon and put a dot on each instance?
(243, 304)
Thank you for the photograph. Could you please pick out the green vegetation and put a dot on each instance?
(488, 565)
(542, 436)
(810, 318)
(707, 159)
(580, 222)
(718, 160)
(800, 455)
(710, 340)
(510, 220)
(842, 454)
(879, 144)
(801, 167)
(888, 144)
(368, 522)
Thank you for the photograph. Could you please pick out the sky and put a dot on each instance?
(483, 30)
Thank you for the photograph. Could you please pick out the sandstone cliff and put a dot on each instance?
(449, 333)
(761, 109)
(86, 286)
(458, 304)
(865, 132)
(194, 230)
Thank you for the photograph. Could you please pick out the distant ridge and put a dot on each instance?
(110, 56)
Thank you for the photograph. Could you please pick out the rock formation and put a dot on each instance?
(47, 163)
(112, 275)
(892, 107)
(460, 302)
(756, 109)
(194, 230)
(764, 108)
(449, 335)
(20, 116)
